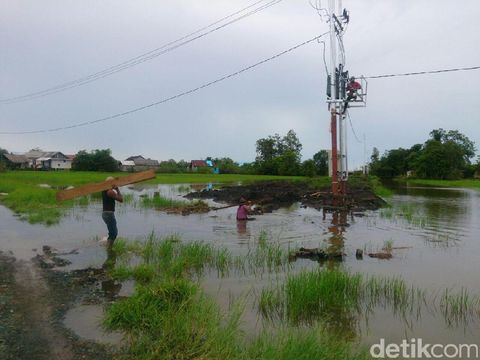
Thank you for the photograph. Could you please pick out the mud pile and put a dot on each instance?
(272, 195)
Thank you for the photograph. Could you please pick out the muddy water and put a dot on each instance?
(436, 229)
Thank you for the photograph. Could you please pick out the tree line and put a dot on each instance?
(275, 155)
(444, 155)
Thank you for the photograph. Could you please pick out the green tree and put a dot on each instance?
(3, 164)
(309, 168)
(291, 143)
(278, 156)
(320, 160)
(226, 165)
(96, 160)
(266, 149)
(169, 166)
(440, 161)
(445, 155)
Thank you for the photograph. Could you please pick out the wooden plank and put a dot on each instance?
(105, 185)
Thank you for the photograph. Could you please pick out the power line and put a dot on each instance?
(423, 72)
(128, 112)
(145, 56)
(351, 126)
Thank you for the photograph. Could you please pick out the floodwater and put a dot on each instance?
(436, 230)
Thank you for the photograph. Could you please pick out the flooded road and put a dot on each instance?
(433, 235)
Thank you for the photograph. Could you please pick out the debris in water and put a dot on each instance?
(316, 254)
(381, 255)
(272, 195)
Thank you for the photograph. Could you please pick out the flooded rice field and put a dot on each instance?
(432, 235)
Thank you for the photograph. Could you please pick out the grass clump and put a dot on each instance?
(170, 317)
(34, 204)
(160, 202)
(156, 201)
(267, 255)
(406, 213)
(310, 343)
(458, 306)
(173, 319)
(335, 296)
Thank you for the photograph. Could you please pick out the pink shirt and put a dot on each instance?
(242, 212)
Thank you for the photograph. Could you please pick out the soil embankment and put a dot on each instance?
(272, 195)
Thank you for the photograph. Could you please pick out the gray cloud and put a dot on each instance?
(49, 42)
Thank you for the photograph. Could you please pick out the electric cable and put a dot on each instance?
(187, 92)
(324, 58)
(143, 57)
(423, 72)
(351, 126)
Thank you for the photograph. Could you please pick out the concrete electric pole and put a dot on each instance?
(342, 92)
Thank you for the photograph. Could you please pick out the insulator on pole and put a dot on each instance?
(329, 86)
(342, 82)
(337, 81)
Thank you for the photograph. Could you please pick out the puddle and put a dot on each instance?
(85, 321)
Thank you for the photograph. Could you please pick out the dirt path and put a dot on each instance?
(28, 331)
(29, 322)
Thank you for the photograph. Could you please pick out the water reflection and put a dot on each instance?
(242, 230)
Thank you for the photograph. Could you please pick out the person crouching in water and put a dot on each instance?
(243, 210)
(108, 214)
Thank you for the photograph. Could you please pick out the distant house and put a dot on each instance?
(48, 160)
(126, 165)
(32, 157)
(54, 160)
(140, 163)
(71, 157)
(16, 161)
(196, 164)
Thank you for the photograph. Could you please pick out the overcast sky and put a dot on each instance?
(49, 42)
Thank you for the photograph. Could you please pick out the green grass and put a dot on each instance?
(463, 183)
(170, 256)
(38, 205)
(406, 213)
(336, 298)
(458, 306)
(312, 313)
(191, 178)
(378, 188)
(170, 317)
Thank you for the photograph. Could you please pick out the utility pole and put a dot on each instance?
(341, 93)
(336, 97)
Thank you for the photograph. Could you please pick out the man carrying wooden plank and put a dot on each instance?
(108, 212)
(110, 194)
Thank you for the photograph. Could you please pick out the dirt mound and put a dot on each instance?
(271, 195)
